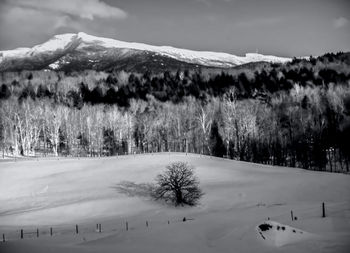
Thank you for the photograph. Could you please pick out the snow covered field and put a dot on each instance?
(238, 198)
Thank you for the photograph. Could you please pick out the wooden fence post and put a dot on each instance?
(146, 223)
(291, 214)
(21, 233)
(76, 229)
(323, 210)
(3, 237)
(127, 226)
(99, 228)
(37, 232)
(51, 231)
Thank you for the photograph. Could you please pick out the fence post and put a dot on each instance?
(3, 237)
(21, 233)
(37, 232)
(323, 210)
(127, 226)
(168, 222)
(76, 229)
(51, 231)
(96, 227)
(99, 228)
(146, 223)
(291, 214)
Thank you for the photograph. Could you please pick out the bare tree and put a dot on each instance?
(94, 123)
(229, 111)
(205, 119)
(178, 185)
(54, 119)
(113, 123)
(9, 111)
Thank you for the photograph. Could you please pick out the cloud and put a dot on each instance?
(340, 22)
(86, 9)
(30, 22)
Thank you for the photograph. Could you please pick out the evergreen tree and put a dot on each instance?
(216, 144)
(4, 92)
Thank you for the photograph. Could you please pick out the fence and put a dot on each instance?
(124, 225)
(32, 232)
(322, 210)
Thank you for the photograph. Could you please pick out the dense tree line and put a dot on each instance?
(295, 114)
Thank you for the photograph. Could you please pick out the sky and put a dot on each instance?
(277, 27)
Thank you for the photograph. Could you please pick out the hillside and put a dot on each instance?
(294, 114)
(238, 197)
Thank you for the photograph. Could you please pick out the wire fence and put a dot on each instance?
(123, 225)
(305, 211)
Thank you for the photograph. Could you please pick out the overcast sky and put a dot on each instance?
(279, 27)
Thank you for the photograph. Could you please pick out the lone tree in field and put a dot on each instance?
(178, 185)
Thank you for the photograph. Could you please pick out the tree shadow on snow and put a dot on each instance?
(133, 189)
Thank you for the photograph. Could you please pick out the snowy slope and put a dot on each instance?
(58, 42)
(239, 196)
(92, 46)
(201, 57)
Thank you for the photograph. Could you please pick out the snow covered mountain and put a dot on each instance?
(82, 51)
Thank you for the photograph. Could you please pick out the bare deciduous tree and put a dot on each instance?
(204, 117)
(54, 119)
(178, 185)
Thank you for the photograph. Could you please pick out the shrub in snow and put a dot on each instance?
(178, 184)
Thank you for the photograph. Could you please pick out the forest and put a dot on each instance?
(295, 114)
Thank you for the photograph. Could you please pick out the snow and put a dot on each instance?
(58, 42)
(55, 65)
(207, 58)
(199, 57)
(19, 52)
(278, 234)
(238, 198)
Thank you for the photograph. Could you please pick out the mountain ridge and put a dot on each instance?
(82, 51)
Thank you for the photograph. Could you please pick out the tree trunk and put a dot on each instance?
(179, 197)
